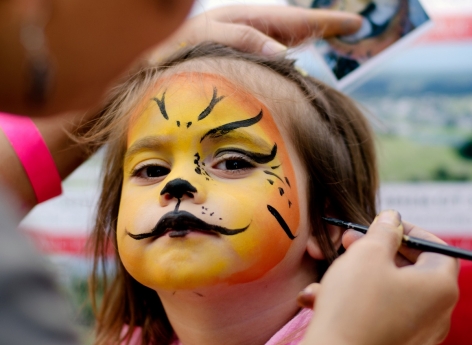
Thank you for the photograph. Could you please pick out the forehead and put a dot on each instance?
(196, 100)
(200, 87)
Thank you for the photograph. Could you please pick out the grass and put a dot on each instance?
(402, 159)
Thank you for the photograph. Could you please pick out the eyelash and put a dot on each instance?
(222, 157)
(231, 156)
(140, 168)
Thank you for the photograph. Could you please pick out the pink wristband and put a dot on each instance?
(33, 154)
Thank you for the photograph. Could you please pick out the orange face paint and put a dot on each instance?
(207, 163)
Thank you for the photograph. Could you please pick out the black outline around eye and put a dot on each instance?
(233, 155)
(256, 157)
(135, 172)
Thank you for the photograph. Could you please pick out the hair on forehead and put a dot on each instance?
(270, 88)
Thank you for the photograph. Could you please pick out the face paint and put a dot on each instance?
(208, 202)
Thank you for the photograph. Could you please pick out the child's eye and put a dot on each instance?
(150, 171)
(233, 163)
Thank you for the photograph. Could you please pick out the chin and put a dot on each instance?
(191, 277)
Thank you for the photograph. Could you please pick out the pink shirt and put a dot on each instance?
(290, 334)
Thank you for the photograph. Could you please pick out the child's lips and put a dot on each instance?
(178, 233)
(183, 233)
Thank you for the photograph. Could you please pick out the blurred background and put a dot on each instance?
(420, 102)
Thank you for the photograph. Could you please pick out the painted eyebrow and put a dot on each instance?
(231, 126)
(213, 102)
(161, 103)
(242, 136)
(146, 143)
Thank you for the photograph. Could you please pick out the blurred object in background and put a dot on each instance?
(387, 27)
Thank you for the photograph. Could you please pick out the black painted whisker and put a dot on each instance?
(281, 221)
(271, 173)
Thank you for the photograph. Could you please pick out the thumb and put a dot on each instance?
(387, 230)
(307, 297)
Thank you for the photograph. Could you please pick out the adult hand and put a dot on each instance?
(260, 29)
(369, 297)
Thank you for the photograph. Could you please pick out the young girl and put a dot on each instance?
(220, 167)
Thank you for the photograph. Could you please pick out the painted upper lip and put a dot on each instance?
(181, 221)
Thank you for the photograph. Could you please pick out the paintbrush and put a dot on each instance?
(409, 241)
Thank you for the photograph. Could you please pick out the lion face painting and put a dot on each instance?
(209, 190)
(219, 167)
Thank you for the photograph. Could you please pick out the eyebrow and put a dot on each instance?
(213, 102)
(231, 126)
(144, 144)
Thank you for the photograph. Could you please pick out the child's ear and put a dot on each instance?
(314, 249)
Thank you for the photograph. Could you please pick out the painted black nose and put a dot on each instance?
(178, 187)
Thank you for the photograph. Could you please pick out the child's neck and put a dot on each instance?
(242, 314)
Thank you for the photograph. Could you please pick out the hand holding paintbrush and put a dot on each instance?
(408, 302)
(410, 241)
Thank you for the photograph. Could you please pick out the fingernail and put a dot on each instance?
(273, 47)
(305, 299)
(350, 26)
(390, 217)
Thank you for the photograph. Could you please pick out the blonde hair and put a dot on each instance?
(331, 137)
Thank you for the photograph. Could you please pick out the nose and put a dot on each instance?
(177, 188)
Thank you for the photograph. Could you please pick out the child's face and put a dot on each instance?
(206, 163)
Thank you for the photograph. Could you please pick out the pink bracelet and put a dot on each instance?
(33, 154)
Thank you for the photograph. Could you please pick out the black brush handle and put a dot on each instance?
(411, 242)
(428, 246)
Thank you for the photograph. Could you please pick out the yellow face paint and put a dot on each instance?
(207, 163)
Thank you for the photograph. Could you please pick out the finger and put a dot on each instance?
(402, 261)
(307, 297)
(426, 261)
(436, 263)
(442, 272)
(415, 231)
(350, 236)
(288, 24)
(244, 38)
(387, 231)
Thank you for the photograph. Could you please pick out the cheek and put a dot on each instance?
(127, 215)
(266, 242)
(139, 208)
(131, 255)
(137, 214)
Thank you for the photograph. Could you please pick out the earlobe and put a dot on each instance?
(313, 247)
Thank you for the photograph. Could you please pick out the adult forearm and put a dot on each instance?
(58, 136)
